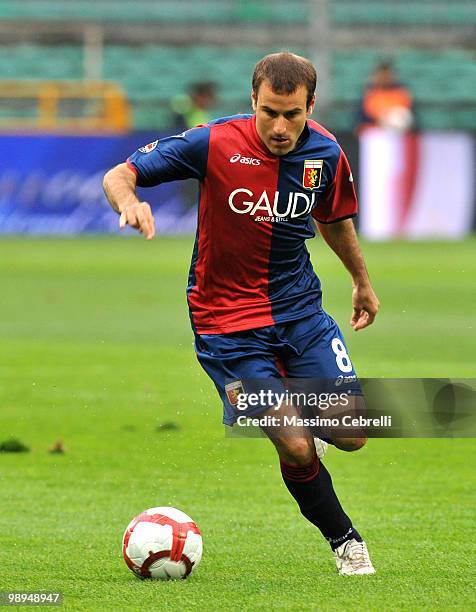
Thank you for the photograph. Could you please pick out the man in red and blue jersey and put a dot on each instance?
(255, 301)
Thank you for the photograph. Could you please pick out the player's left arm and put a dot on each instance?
(342, 239)
(333, 216)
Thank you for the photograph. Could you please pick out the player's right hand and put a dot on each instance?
(139, 216)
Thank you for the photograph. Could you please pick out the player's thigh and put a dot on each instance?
(239, 365)
(320, 351)
(321, 355)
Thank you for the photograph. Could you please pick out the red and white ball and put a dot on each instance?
(162, 543)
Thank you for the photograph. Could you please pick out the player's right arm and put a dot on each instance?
(170, 159)
(120, 189)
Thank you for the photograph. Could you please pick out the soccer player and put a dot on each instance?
(254, 298)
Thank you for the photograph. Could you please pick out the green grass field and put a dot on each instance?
(95, 349)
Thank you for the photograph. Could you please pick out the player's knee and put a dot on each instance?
(350, 444)
(296, 451)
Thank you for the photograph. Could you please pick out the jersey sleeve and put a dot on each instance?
(338, 201)
(173, 158)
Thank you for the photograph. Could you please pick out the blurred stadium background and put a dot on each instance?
(96, 358)
(84, 82)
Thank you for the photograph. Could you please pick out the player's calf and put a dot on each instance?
(349, 444)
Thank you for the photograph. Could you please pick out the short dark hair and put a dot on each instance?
(285, 72)
(201, 88)
(385, 64)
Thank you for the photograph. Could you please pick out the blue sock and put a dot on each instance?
(311, 487)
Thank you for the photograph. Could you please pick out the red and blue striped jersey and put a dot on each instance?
(250, 267)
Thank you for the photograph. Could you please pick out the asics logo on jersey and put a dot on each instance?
(250, 161)
(243, 201)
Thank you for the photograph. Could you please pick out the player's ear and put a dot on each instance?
(253, 100)
(311, 104)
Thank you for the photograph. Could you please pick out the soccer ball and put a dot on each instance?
(162, 543)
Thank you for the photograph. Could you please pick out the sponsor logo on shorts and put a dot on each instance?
(149, 147)
(340, 380)
(249, 161)
(233, 390)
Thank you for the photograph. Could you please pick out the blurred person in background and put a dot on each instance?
(389, 154)
(386, 102)
(193, 108)
(189, 110)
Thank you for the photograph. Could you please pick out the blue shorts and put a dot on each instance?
(312, 347)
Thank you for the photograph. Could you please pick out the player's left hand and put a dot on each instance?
(366, 306)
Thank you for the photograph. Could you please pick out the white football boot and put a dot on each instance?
(321, 447)
(352, 559)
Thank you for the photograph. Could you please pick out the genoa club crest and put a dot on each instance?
(311, 178)
(233, 390)
(149, 147)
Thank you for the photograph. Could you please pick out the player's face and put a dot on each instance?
(280, 118)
